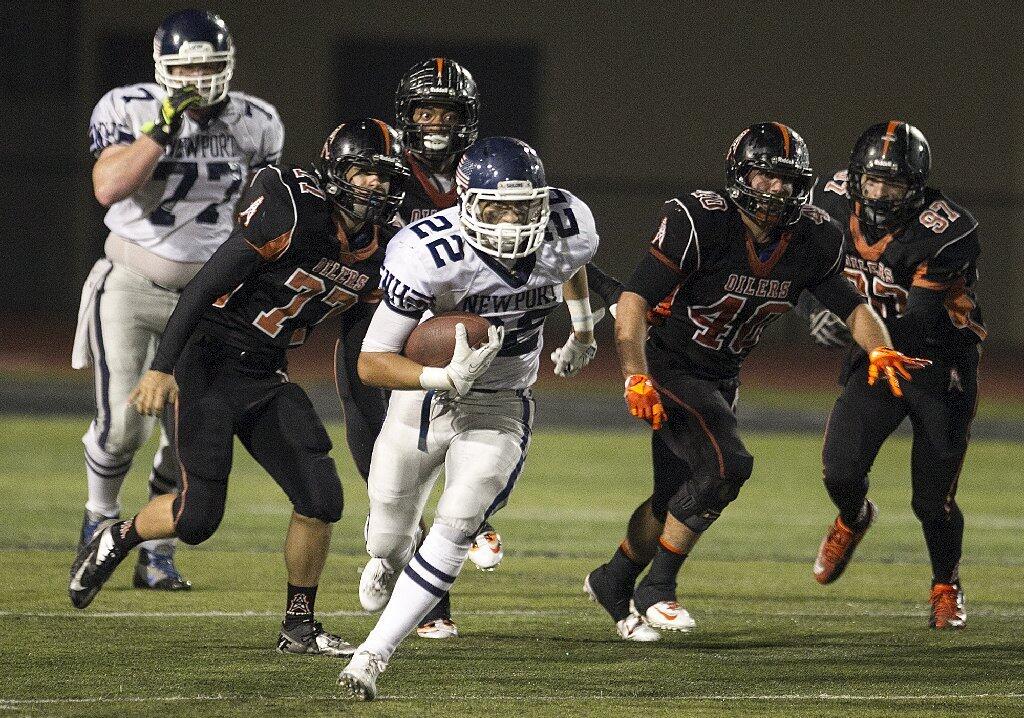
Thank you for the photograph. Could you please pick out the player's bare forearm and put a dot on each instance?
(577, 290)
(867, 328)
(389, 370)
(123, 169)
(631, 333)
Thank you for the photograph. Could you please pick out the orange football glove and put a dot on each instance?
(643, 400)
(890, 361)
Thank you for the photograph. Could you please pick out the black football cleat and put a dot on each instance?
(156, 570)
(93, 565)
(309, 638)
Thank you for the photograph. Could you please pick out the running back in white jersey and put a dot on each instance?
(430, 269)
(187, 209)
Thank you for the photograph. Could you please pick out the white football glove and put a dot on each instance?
(828, 330)
(571, 357)
(467, 364)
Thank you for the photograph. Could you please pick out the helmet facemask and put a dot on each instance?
(438, 143)
(362, 204)
(768, 208)
(212, 86)
(506, 240)
(883, 214)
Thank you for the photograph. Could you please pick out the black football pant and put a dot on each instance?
(226, 393)
(364, 406)
(699, 460)
(940, 402)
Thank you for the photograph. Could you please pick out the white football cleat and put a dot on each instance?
(439, 628)
(376, 584)
(633, 628)
(486, 551)
(359, 677)
(669, 616)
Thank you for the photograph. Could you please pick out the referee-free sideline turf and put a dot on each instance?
(769, 640)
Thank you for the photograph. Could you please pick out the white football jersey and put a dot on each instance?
(430, 268)
(187, 209)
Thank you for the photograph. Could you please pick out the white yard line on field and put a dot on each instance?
(15, 702)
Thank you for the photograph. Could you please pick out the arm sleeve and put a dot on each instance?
(672, 256)
(109, 124)
(229, 266)
(388, 330)
(837, 294)
(950, 269)
(267, 218)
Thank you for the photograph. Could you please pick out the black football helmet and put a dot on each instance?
(891, 150)
(443, 82)
(193, 37)
(774, 148)
(372, 145)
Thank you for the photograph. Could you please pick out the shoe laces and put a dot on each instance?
(836, 542)
(944, 600)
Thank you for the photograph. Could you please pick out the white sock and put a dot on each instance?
(106, 475)
(431, 572)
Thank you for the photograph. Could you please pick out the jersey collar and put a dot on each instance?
(441, 200)
(867, 251)
(346, 253)
(520, 273)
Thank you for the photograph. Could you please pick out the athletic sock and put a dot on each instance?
(105, 475)
(430, 574)
(623, 567)
(945, 539)
(660, 582)
(854, 520)
(125, 536)
(299, 607)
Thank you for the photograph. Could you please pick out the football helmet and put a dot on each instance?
(192, 37)
(776, 149)
(438, 81)
(506, 170)
(894, 151)
(372, 145)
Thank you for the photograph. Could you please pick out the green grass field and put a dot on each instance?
(770, 641)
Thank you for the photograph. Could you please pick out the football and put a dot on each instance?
(432, 343)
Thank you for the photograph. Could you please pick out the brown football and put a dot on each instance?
(432, 343)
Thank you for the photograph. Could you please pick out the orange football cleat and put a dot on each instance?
(837, 548)
(949, 611)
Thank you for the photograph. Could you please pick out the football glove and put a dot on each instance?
(892, 362)
(172, 111)
(571, 357)
(467, 364)
(829, 330)
(643, 400)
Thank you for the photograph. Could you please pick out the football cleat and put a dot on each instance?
(837, 547)
(376, 584)
(486, 551)
(90, 522)
(949, 610)
(438, 628)
(93, 565)
(155, 569)
(669, 616)
(359, 677)
(309, 638)
(615, 599)
(634, 628)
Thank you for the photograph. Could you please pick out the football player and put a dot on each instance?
(171, 159)
(437, 110)
(307, 245)
(721, 267)
(509, 250)
(911, 251)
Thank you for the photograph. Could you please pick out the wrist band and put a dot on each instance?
(582, 317)
(435, 378)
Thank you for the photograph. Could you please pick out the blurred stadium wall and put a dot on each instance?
(627, 106)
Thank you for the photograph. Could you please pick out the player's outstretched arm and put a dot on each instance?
(870, 333)
(581, 347)
(630, 337)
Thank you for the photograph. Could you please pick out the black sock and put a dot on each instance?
(623, 566)
(300, 604)
(125, 536)
(855, 519)
(664, 569)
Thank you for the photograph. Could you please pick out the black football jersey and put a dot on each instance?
(423, 193)
(937, 251)
(715, 289)
(286, 267)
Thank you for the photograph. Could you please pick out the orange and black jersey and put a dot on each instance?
(717, 290)
(287, 266)
(425, 193)
(920, 279)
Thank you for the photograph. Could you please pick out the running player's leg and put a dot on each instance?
(861, 420)
(286, 437)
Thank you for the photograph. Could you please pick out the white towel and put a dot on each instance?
(81, 354)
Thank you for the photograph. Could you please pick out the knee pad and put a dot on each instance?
(934, 509)
(318, 494)
(461, 510)
(396, 548)
(699, 502)
(194, 527)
